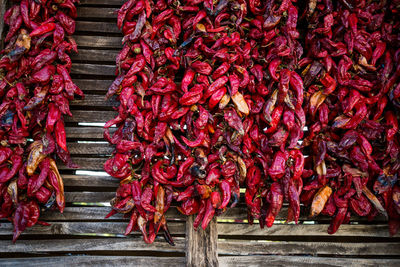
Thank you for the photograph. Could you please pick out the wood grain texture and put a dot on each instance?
(243, 248)
(95, 101)
(98, 41)
(85, 54)
(239, 213)
(102, 2)
(90, 116)
(305, 261)
(93, 69)
(97, 12)
(377, 230)
(90, 148)
(85, 197)
(97, 27)
(85, 133)
(178, 228)
(201, 245)
(249, 247)
(84, 228)
(123, 245)
(97, 214)
(91, 182)
(92, 85)
(95, 164)
(93, 261)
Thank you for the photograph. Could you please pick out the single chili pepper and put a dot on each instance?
(217, 84)
(200, 214)
(275, 198)
(146, 198)
(225, 188)
(216, 97)
(184, 167)
(277, 169)
(187, 79)
(320, 198)
(374, 201)
(37, 184)
(160, 203)
(208, 214)
(199, 140)
(42, 29)
(57, 183)
(337, 221)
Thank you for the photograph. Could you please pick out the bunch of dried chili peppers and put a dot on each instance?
(215, 95)
(35, 90)
(351, 74)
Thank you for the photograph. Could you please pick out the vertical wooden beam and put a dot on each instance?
(201, 245)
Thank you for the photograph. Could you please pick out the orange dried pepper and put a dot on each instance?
(320, 198)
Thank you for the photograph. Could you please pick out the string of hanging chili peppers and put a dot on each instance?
(351, 71)
(35, 90)
(212, 99)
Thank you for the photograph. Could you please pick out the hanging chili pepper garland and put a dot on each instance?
(35, 90)
(212, 97)
(351, 72)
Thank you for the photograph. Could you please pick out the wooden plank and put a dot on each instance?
(90, 181)
(93, 69)
(378, 230)
(95, 101)
(303, 261)
(90, 148)
(90, 116)
(98, 41)
(201, 245)
(97, 12)
(239, 214)
(123, 245)
(243, 248)
(94, 55)
(251, 247)
(110, 228)
(95, 26)
(89, 197)
(93, 261)
(86, 132)
(85, 164)
(102, 2)
(84, 228)
(91, 85)
(96, 213)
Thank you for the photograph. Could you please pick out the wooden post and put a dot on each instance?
(201, 246)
